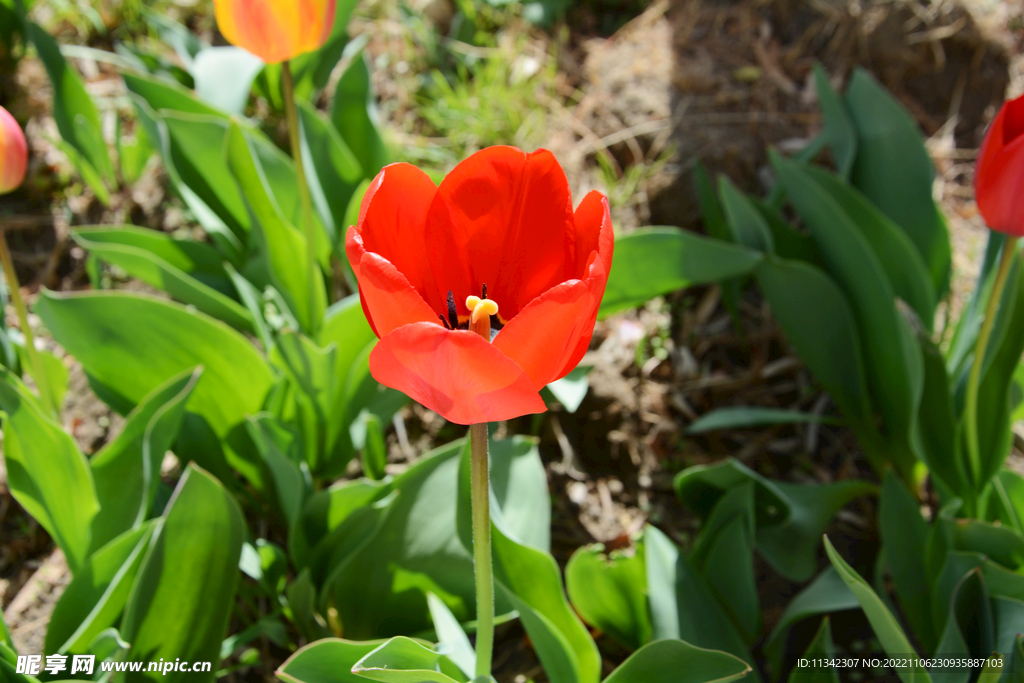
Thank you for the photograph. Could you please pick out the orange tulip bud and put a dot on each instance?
(276, 30)
(13, 153)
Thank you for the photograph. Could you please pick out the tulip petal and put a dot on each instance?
(388, 300)
(391, 224)
(13, 153)
(999, 173)
(550, 335)
(457, 374)
(594, 232)
(502, 218)
(276, 30)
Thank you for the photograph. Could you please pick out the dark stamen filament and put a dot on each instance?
(484, 294)
(445, 322)
(453, 314)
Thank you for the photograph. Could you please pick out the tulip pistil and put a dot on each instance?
(482, 310)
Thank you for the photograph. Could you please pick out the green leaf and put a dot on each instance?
(127, 470)
(46, 473)
(884, 624)
(742, 417)
(311, 371)
(714, 222)
(131, 344)
(819, 322)
(653, 261)
(825, 595)
(681, 604)
(893, 169)
(892, 357)
(936, 421)
(679, 662)
(748, 226)
(224, 76)
(326, 661)
(403, 660)
(354, 116)
(608, 592)
(839, 128)
(969, 627)
(821, 647)
(291, 486)
(56, 375)
(94, 600)
(76, 116)
(182, 599)
(284, 246)
(191, 272)
(572, 389)
(903, 264)
(374, 453)
(332, 170)
(452, 640)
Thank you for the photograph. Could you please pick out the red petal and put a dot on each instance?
(457, 374)
(551, 334)
(502, 218)
(999, 178)
(594, 232)
(1013, 128)
(388, 299)
(391, 223)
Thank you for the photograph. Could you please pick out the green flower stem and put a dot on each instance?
(35, 360)
(481, 500)
(292, 117)
(980, 347)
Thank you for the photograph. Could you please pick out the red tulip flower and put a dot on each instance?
(13, 153)
(276, 30)
(999, 173)
(483, 289)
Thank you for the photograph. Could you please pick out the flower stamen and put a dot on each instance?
(482, 310)
(453, 314)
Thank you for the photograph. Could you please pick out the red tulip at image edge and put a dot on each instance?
(999, 172)
(13, 153)
(276, 30)
(502, 219)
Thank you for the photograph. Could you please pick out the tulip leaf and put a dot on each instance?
(191, 272)
(839, 128)
(310, 370)
(332, 170)
(893, 169)
(744, 417)
(127, 470)
(182, 599)
(224, 76)
(353, 113)
(747, 225)
(95, 598)
(326, 661)
(607, 590)
(653, 261)
(283, 246)
(715, 225)
(289, 482)
(451, 637)
(571, 389)
(827, 594)
(680, 662)
(821, 647)
(403, 660)
(374, 454)
(54, 373)
(790, 244)
(937, 422)
(46, 473)
(969, 628)
(130, 344)
(884, 624)
(161, 94)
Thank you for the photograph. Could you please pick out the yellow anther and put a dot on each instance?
(471, 302)
(482, 310)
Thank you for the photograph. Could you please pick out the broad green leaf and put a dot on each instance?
(968, 629)
(161, 94)
(790, 244)
(224, 76)
(681, 603)
(653, 261)
(892, 358)
(936, 422)
(54, 371)
(301, 601)
(375, 451)
(905, 536)
(326, 661)
(1008, 622)
(332, 170)
(572, 389)
(839, 128)
(742, 417)
(893, 169)
(1006, 501)
(311, 372)
(895, 252)
(825, 595)
(46, 473)
(819, 322)
(403, 660)
(182, 599)
(747, 225)
(714, 223)
(289, 483)
(821, 647)
(74, 111)
(353, 114)
(284, 247)
(726, 559)
(884, 624)
(127, 470)
(607, 590)
(679, 662)
(130, 344)
(452, 640)
(191, 272)
(94, 600)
